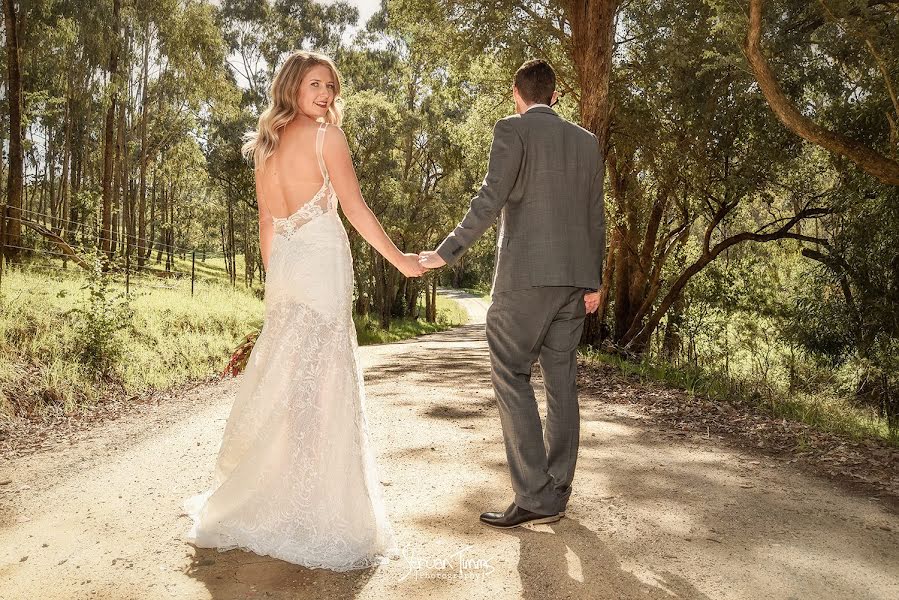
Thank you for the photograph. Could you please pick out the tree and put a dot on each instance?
(109, 132)
(13, 215)
(591, 46)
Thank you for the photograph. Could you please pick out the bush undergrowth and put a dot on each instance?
(825, 412)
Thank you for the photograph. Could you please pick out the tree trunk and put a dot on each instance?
(429, 300)
(592, 45)
(412, 291)
(432, 317)
(673, 341)
(225, 249)
(163, 212)
(232, 272)
(62, 225)
(152, 233)
(170, 230)
(16, 173)
(629, 276)
(76, 176)
(109, 133)
(247, 262)
(51, 205)
(385, 286)
(595, 328)
(118, 183)
(142, 193)
(58, 242)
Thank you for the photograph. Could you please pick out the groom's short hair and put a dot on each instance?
(536, 81)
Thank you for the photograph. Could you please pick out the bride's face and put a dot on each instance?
(317, 91)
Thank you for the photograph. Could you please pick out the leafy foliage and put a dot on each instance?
(106, 312)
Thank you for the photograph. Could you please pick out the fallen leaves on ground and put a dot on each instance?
(871, 463)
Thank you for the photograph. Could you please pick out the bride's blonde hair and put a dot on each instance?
(282, 108)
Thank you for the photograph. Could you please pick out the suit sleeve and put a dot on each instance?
(506, 154)
(598, 212)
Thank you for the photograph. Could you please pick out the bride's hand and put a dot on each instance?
(410, 267)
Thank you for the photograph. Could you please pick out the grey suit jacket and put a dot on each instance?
(544, 181)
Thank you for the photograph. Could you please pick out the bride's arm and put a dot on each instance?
(266, 227)
(360, 216)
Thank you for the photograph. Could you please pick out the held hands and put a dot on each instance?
(430, 260)
(416, 265)
(409, 265)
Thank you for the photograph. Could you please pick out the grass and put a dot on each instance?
(482, 293)
(449, 314)
(825, 412)
(212, 269)
(170, 339)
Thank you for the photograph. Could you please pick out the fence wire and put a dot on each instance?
(124, 270)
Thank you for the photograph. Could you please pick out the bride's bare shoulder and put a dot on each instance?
(298, 129)
(335, 139)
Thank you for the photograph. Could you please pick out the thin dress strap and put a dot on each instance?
(319, 146)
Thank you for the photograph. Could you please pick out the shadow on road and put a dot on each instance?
(568, 560)
(463, 366)
(237, 575)
(561, 560)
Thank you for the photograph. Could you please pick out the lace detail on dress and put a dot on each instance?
(287, 226)
(323, 201)
(295, 478)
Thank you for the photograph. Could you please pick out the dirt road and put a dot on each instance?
(652, 516)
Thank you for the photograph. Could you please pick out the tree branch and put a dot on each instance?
(870, 161)
(58, 241)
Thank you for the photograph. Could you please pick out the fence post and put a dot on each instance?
(2, 238)
(127, 273)
(193, 270)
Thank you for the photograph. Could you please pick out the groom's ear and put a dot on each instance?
(555, 98)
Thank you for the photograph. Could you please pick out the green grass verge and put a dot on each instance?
(823, 412)
(482, 293)
(170, 339)
(449, 314)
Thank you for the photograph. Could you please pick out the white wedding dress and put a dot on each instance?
(295, 477)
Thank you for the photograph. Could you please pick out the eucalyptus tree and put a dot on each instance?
(688, 143)
(11, 226)
(827, 70)
(56, 60)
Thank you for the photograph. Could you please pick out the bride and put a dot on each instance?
(295, 477)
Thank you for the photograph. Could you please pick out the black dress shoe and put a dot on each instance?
(516, 516)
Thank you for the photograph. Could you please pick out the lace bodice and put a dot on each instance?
(321, 203)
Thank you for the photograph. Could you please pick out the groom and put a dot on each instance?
(544, 181)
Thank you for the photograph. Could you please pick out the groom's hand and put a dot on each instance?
(430, 260)
(591, 301)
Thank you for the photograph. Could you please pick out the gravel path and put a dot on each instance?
(653, 514)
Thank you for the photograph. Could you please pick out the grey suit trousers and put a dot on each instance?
(524, 326)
